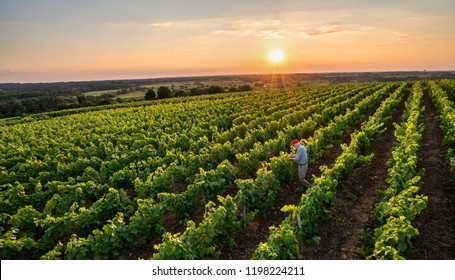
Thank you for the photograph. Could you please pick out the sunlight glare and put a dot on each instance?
(275, 56)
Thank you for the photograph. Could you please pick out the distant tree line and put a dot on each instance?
(166, 92)
(28, 90)
(19, 107)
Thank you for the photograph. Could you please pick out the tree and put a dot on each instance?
(163, 92)
(245, 88)
(180, 93)
(150, 94)
(197, 91)
(81, 98)
(122, 91)
(233, 89)
(15, 108)
(215, 89)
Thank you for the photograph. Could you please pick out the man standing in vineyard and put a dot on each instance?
(301, 158)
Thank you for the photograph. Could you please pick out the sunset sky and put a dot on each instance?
(51, 40)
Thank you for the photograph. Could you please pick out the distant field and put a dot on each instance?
(99, 92)
(175, 86)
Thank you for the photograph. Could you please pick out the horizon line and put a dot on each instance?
(233, 75)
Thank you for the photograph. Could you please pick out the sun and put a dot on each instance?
(275, 56)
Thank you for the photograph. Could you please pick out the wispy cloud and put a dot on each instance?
(279, 29)
(321, 31)
(269, 29)
(162, 24)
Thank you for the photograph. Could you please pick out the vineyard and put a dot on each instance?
(209, 177)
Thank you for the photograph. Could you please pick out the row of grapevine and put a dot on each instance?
(400, 203)
(286, 241)
(446, 115)
(448, 86)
